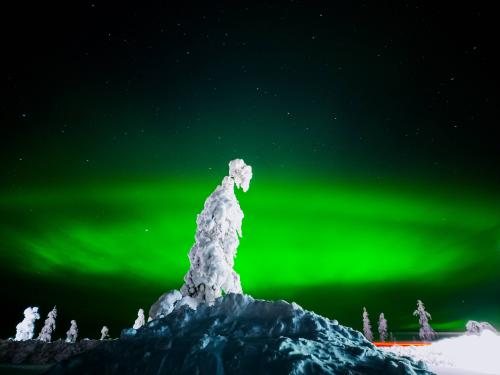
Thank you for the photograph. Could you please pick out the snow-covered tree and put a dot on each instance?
(49, 326)
(217, 238)
(72, 333)
(367, 328)
(140, 321)
(426, 332)
(104, 333)
(382, 327)
(26, 329)
(476, 328)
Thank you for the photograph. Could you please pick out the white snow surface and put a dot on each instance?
(26, 329)
(241, 335)
(466, 354)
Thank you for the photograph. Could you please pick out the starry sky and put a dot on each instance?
(370, 129)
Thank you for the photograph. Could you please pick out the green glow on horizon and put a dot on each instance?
(440, 326)
(294, 234)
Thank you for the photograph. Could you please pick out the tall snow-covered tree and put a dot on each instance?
(26, 328)
(367, 328)
(425, 332)
(382, 327)
(104, 333)
(49, 326)
(72, 333)
(140, 321)
(217, 238)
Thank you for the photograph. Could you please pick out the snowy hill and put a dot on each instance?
(240, 335)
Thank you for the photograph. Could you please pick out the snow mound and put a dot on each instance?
(240, 335)
(165, 304)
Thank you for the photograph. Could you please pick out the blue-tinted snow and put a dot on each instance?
(240, 335)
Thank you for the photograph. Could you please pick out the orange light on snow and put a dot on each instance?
(401, 343)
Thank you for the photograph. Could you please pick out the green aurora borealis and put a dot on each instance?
(146, 228)
(369, 129)
(323, 235)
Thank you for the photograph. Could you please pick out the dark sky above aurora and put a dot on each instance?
(369, 129)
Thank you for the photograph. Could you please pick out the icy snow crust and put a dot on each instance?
(240, 335)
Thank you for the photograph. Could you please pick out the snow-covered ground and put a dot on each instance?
(467, 354)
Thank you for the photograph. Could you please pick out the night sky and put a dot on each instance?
(370, 129)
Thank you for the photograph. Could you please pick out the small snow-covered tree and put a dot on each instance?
(140, 321)
(367, 328)
(104, 333)
(26, 329)
(216, 241)
(49, 326)
(426, 332)
(72, 333)
(382, 327)
(476, 328)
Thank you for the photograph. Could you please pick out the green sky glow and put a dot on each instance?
(313, 233)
